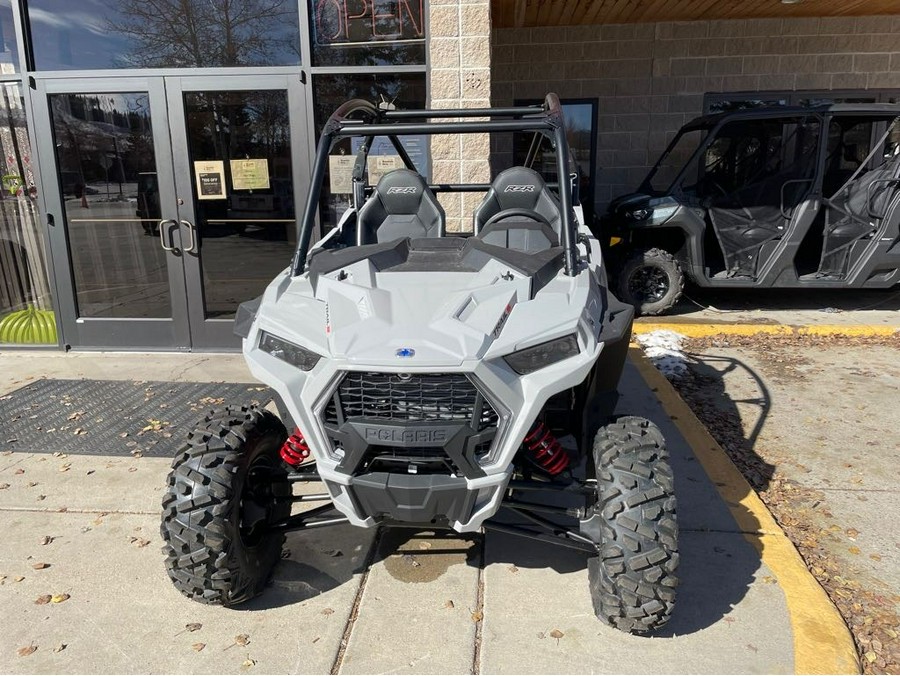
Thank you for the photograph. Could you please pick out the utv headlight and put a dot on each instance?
(639, 214)
(531, 359)
(287, 352)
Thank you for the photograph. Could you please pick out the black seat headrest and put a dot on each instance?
(402, 205)
(401, 191)
(519, 188)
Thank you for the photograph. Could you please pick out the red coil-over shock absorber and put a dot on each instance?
(295, 450)
(545, 449)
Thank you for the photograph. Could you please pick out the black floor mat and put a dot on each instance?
(112, 417)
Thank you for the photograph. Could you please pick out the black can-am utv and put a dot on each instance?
(767, 197)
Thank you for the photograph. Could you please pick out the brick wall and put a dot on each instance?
(460, 77)
(651, 78)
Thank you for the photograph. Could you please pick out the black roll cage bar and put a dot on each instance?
(545, 120)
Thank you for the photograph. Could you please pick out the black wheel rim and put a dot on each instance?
(257, 502)
(648, 284)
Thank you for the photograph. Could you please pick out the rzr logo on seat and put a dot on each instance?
(519, 188)
(403, 190)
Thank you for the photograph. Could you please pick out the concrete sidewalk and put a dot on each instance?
(346, 600)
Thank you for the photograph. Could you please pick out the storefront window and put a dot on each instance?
(26, 307)
(403, 91)
(367, 32)
(164, 33)
(9, 55)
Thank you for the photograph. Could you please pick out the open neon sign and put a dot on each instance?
(347, 22)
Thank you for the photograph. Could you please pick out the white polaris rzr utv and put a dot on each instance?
(426, 378)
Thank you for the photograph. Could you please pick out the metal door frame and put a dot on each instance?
(217, 334)
(95, 332)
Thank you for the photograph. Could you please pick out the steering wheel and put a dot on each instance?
(512, 213)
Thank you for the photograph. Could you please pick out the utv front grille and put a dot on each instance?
(409, 403)
(415, 397)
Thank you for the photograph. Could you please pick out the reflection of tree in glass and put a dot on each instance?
(101, 137)
(205, 33)
(232, 125)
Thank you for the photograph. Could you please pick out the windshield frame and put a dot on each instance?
(647, 184)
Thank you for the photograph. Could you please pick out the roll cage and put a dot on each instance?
(361, 118)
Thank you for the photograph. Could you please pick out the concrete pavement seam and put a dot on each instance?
(67, 510)
(703, 330)
(357, 601)
(822, 641)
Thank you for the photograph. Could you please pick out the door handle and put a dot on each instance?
(163, 226)
(190, 248)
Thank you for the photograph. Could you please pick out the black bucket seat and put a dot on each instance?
(517, 190)
(402, 205)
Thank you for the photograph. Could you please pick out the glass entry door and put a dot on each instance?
(173, 202)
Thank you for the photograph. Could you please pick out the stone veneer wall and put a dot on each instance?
(651, 78)
(460, 77)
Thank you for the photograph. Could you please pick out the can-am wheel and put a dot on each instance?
(221, 496)
(633, 523)
(652, 281)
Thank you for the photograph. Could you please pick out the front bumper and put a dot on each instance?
(457, 502)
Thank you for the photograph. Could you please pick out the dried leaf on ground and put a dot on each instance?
(242, 639)
(557, 634)
(328, 611)
(247, 663)
(19, 471)
(198, 646)
(26, 650)
(193, 626)
(139, 542)
(448, 603)
(477, 616)
(3, 487)
(47, 539)
(40, 565)
(60, 647)
(43, 600)
(18, 578)
(59, 598)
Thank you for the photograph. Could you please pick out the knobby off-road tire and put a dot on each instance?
(222, 479)
(652, 281)
(633, 579)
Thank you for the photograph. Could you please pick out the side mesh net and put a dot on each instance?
(752, 214)
(856, 212)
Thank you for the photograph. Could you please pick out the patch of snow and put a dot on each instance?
(664, 349)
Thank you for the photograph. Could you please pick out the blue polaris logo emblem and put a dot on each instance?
(405, 352)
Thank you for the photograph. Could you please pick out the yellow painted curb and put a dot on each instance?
(706, 330)
(822, 642)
